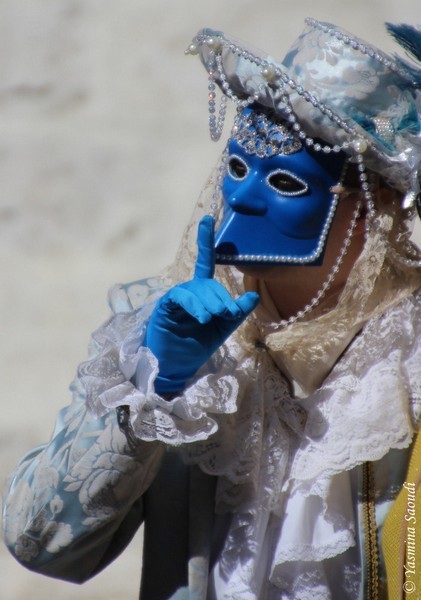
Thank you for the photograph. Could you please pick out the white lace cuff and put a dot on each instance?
(121, 359)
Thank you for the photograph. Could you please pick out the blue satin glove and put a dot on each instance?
(194, 318)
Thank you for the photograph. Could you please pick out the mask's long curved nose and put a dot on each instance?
(246, 198)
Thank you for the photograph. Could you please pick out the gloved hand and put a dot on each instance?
(194, 318)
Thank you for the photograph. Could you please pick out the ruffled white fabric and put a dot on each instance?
(276, 457)
(124, 373)
(379, 384)
(367, 403)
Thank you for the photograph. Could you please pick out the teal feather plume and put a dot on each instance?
(409, 38)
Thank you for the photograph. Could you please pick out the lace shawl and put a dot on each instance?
(276, 456)
(270, 450)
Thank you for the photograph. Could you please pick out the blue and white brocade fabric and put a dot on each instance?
(74, 503)
(374, 96)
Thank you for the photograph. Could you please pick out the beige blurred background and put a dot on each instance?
(103, 152)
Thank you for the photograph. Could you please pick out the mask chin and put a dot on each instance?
(254, 240)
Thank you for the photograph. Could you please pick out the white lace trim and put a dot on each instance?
(313, 529)
(348, 418)
(367, 405)
(107, 379)
(271, 453)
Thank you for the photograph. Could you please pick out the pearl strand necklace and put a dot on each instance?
(283, 323)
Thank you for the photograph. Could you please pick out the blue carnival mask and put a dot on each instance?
(278, 206)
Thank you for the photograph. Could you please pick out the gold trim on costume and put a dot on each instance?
(371, 548)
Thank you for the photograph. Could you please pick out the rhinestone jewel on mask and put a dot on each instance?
(259, 135)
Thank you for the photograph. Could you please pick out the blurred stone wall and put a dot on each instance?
(103, 152)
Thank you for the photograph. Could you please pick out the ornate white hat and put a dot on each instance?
(332, 86)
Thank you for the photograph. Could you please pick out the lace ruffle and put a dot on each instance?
(367, 405)
(275, 457)
(119, 360)
(250, 451)
(349, 421)
(364, 409)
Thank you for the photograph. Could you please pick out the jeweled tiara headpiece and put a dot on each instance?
(257, 133)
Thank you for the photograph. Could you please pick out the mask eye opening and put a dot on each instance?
(286, 183)
(237, 168)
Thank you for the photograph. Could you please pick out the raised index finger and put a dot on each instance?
(205, 263)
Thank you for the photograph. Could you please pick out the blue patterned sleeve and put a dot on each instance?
(72, 505)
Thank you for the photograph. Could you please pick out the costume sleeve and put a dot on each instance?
(71, 506)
